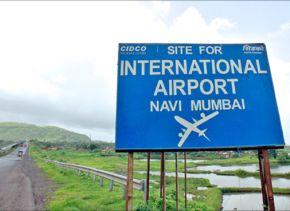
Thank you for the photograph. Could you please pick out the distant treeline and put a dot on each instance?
(108, 149)
(92, 146)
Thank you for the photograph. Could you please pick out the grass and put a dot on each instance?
(243, 160)
(80, 193)
(231, 161)
(117, 163)
(196, 171)
(253, 190)
(242, 173)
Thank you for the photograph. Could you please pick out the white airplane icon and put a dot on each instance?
(193, 126)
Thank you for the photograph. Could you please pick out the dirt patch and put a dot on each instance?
(42, 187)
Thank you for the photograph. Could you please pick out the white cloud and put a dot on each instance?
(278, 46)
(281, 78)
(191, 26)
(280, 40)
(221, 24)
(162, 8)
(284, 28)
(60, 58)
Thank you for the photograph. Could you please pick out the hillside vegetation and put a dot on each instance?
(10, 131)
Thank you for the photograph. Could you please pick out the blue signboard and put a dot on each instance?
(195, 97)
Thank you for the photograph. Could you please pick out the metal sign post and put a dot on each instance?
(147, 178)
(161, 173)
(263, 181)
(129, 191)
(267, 174)
(176, 180)
(185, 184)
(266, 182)
(163, 181)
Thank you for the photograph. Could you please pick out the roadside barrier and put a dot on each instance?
(9, 147)
(113, 177)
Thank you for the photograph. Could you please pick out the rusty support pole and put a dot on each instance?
(129, 191)
(176, 180)
(267, 173)
(163, 181)
(262, 178)
(161, 172)
(185, 182)
(147, 178)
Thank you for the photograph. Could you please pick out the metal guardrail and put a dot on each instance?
(137, 184)
(8, 147)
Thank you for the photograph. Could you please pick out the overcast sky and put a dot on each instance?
(58, 60)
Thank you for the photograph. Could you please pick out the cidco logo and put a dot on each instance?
(133, 49)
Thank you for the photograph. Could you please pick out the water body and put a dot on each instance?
(253, 201)
(250, 168)
(230, 181)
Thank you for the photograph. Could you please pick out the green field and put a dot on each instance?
(80, 193)
(242, 173)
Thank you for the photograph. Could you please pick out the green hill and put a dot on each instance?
(10, 131)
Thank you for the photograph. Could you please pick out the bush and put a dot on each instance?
(241, 173)
(200, 206)
(283, 156)
(142, 206)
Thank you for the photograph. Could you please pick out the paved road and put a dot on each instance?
(22, 184)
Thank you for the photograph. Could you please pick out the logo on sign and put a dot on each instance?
(253, 49)
(189, 127)
(133, 49)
